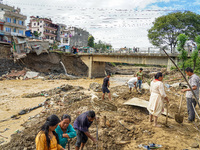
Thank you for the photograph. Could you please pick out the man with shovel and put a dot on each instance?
(194, 82)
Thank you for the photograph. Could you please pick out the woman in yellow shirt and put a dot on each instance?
(47, 138)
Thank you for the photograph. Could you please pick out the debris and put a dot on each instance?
(129, 128)
(31, 75)
(167, 85)
(195, 145)
(142, 103)
(94, 97)
(96, 87)
(22, 112)
(175, 85)
(4, 130)
(122, 142)
(115, 95)
(150, 146)
(3, 136)
(145, 86)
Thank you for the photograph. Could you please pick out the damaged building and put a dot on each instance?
(12, 23)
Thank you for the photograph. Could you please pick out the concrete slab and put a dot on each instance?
(142, 103)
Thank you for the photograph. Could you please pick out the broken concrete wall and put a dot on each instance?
(6, 60)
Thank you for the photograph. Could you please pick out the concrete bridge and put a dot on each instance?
(96, 62)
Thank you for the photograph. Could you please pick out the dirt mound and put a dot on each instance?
(121, 128)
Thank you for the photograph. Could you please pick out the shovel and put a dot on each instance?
(178, 117)
(167, 115)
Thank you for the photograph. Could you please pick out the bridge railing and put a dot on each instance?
(151, 51)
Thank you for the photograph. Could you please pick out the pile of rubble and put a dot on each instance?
(26, 74)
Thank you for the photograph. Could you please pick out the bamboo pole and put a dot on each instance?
(183, 77)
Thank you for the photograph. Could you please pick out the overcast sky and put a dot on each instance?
(118, 22)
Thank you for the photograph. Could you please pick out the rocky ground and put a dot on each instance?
(134, 128)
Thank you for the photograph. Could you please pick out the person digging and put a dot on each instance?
(132, 83)
(194, 82)
(81, 125)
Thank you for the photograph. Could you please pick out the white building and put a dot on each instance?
(63, 34)
(44, 27)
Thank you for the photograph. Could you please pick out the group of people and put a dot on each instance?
(136, 81)
(158, 95)
(55, 133)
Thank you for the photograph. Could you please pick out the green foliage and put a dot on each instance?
(91, 41)
(36, 34)
(55, 46)
(182, 38)
(194, 56)
(197, 39)
(183, 56)
(113, 64)
(102, 46)
(166, 28)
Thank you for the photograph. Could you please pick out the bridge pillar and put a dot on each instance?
(170, 64)
(95, 69)
(90, 67)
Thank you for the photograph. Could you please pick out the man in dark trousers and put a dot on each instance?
(81, 125)
(105, 86)
(194, 83)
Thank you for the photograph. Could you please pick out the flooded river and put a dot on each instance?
(11, 101)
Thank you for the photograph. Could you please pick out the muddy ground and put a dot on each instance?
(112, 135)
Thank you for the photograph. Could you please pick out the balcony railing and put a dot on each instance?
(2, 32)
(13, 14)
(50, 28)
(50, 34)
(15, 25)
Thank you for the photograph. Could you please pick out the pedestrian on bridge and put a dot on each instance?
(139, 82)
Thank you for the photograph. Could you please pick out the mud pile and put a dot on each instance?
(120, 127)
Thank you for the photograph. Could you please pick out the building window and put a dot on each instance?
(40, 26)
(8, 29)
(21, 22)
(34, 24)
(14, 20)
(8, 19)
(38, 29)
(40, 21)
(21, 31)
(14, 30)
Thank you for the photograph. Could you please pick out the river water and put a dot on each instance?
(11, 101)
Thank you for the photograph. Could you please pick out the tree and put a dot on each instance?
(167, 28)
(195, 53)
(182, 38)
(91, 41)
(102, 46)
(37, 34)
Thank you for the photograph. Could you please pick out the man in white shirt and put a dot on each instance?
(132, 83)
